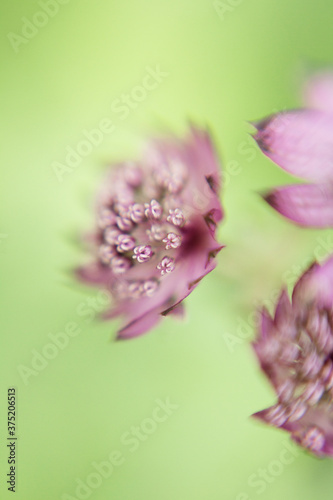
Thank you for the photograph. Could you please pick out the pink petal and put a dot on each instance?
(301, 142)
(144, 323)
(318, 91)
(284, 318)
(283, 310)
(267, 326)
(95, 274)
(205, 175)
(262, 415)
(316, 284)
(202, 155)
(139, 325)
(309, 205)
(262, 343)
(176, 310)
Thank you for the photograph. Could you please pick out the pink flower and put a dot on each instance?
(155, 236)
(295, 351)
(301, 142)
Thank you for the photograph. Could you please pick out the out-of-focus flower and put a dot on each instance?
(301, 142)
(295, 351)
(156, 224)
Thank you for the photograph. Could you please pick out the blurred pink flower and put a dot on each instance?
(301, 142)
(295, 351)
(155, 236)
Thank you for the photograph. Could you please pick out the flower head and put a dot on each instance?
(301, 142)
(155, 236)
(295, 351)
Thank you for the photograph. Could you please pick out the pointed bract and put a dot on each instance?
(309, 205)
(301, 142)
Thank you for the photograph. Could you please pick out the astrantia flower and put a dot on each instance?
(295, 350)
(155, 236)
(301, 142)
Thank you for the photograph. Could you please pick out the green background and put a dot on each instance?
(222, 72)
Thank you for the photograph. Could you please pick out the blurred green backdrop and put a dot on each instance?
(62, 72)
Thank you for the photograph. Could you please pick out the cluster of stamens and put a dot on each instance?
(302, 361)
(135, 229)
(135, 289)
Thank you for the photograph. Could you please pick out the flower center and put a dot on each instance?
(141, 224)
